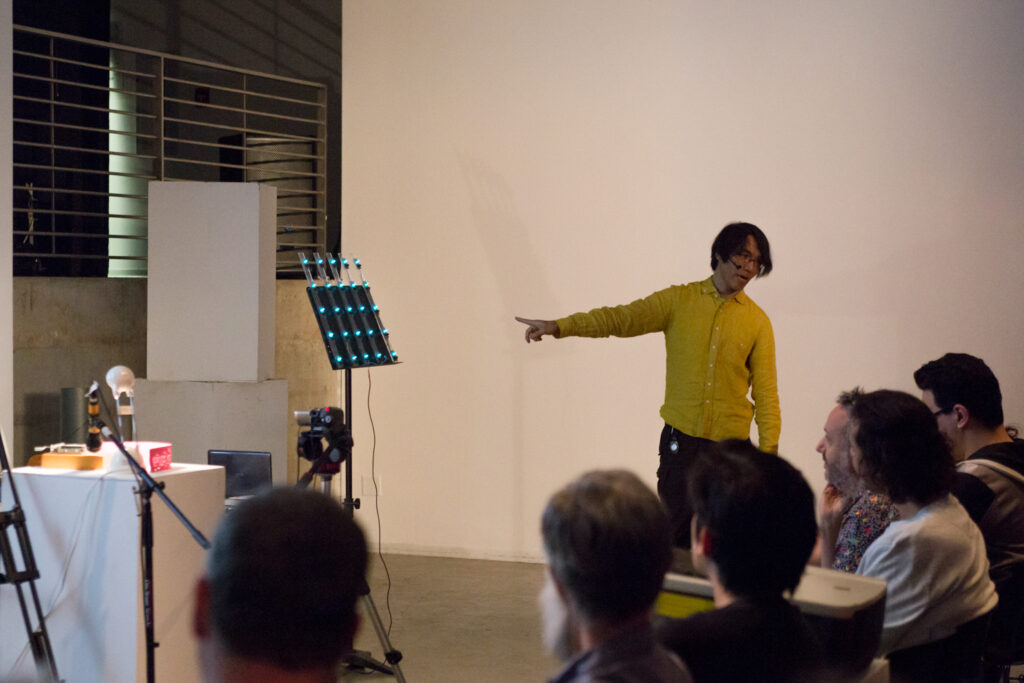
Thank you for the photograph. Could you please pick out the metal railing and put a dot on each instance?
(94, 122)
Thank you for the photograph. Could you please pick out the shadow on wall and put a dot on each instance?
(519, 277)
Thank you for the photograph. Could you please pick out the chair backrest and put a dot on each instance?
(952, 659)
(1005, 643)
(245, 472)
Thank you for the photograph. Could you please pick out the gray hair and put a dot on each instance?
(608, 542)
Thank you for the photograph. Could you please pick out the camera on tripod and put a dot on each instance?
(327, 441)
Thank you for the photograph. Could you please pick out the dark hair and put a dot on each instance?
(285, 571)
(902, 452)
(962, 378)
(608, 542)
(846, 400)
(733, 237)
(759, 513)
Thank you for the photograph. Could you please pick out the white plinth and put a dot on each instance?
(198, 416)
(211, 281)
(84, 529)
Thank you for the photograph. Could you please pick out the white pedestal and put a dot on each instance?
(198, 416)
(84, 530)
(211, 284)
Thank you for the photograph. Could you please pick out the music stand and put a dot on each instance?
(354, 337)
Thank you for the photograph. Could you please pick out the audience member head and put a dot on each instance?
(280, 587)
(835, 446)
(963, 394)
(897, 447)
(608, 545)
(753, 519)
(732, 240)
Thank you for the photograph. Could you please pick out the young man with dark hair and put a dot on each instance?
(752, 533)
(718, 346)
(607, 543)
(277, 602)
(933, 557)
(964, 396)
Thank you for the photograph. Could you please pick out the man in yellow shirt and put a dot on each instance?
(718, 347)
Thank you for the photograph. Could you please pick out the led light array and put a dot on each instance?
(349, 320)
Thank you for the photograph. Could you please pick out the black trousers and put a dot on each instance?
(678, 452)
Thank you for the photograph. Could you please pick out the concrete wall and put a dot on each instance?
(538, 158)
(69, 332)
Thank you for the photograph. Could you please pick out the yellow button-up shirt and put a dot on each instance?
(716, 350)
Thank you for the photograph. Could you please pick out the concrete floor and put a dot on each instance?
(458, 620)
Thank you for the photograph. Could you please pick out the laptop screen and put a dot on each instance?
(245, 472)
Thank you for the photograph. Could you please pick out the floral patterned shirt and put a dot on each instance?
(863, 522)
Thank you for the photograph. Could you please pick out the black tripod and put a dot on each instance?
(14, 518)
(324, 424)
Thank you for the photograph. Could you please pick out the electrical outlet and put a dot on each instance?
(368, 489)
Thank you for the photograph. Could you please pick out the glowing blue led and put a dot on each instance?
(379, 354)
(337, 309)
(362, 308)
(337, 359)
(344, 261)
(345, 333)
(366, 285)
(354, 358)
(356, 261)
(369, 333)
(305, 261)
(330, 335)
(384, 331)
(322, 309)
(313, 286)
(366, 356)
(358, 332)
(319, 261)
(394, 355)
(348, 309)
(374, 308)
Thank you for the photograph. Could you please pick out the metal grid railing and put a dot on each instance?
(94, 122)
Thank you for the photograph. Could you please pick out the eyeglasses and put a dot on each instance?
(745, 258)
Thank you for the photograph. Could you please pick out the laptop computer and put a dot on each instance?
(245, 473)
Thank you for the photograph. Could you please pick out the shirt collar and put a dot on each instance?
(708, 287)
(609, 654)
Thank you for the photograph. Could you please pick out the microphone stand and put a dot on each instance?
(147, 487)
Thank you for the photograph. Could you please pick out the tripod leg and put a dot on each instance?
(391, 655)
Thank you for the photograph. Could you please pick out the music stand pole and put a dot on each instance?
(391, 655)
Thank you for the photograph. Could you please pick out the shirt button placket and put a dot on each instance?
(709, 380)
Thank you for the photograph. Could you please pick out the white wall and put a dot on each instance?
(539, 158)
(6, 232)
